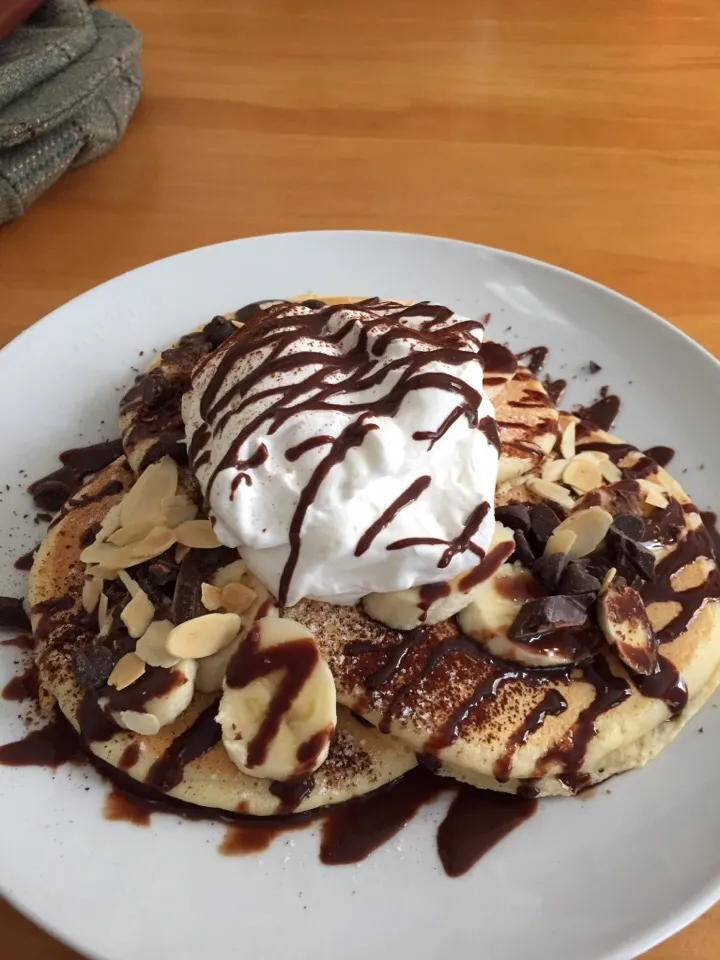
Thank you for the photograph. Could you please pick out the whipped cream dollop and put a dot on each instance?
(347, 449)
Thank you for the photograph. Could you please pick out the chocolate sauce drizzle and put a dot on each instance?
(51, 492)
(416, 488)
(602, 412)
(200, 737)
(534, 359)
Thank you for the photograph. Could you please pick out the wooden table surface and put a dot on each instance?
(587, 134)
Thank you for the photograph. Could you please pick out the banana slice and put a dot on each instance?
(626, 625)
(161, 710)
(416, 606)
(278, 711)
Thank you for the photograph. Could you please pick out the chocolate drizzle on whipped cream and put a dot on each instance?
(293, 361)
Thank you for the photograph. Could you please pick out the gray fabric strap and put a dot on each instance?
(69, 82)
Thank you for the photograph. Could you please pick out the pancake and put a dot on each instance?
(502, 725)
(185, 758)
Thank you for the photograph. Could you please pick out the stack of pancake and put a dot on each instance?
(577, 648)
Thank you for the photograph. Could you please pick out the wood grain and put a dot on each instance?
(584, 134)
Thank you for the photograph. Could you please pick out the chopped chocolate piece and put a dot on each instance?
(155, 389)
(314, 304)
(629, 553)
(629, 525)
(514, 515)
(523, 551)
(538, 617)
(12, 614)
(218, 331)
(586, 600)
(51, 494)
(577, 579)
(593, 367)
(543, 521)
(92, 665)
(548, 571)
(162, 572)
(187, 599)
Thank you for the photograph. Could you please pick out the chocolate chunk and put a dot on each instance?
(629, 525)
(593, 367)
(632, 559)
(187, 602)
(543, 521)
(162, 572)
(92, 666)
(548, 571)
(514, 515)
(586, 600)
(154, 390)
(641, 558)
(314, 304)
(577, 579)
(12, 614)
(218, 331)
(51, 494)
(523, 551)
(538, 617)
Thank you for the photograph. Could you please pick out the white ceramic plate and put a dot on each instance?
(604, 877)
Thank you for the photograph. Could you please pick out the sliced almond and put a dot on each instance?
(608, 579)
(567, 443)
(127, 670)
(561, 541)
(551, 491)
(156, 542)
(590, 527)
(203, 636)
(92, 588)
(653, 494)
(181, 552)
(142, 502)
(100, 573)
(596, 456)
(109, 523)
(237, 598)
(113, 557)
(692, 575)
(146, 724)
(103, 618)
(127, 581)
(553, 470)
(626, 626)
(177, 509)
(582, 475)
(138, 614)
(211, 596)
(134, 532)
(662, 613)
(229, 574)
(610, 471)
(151, 647)
(196, 533)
